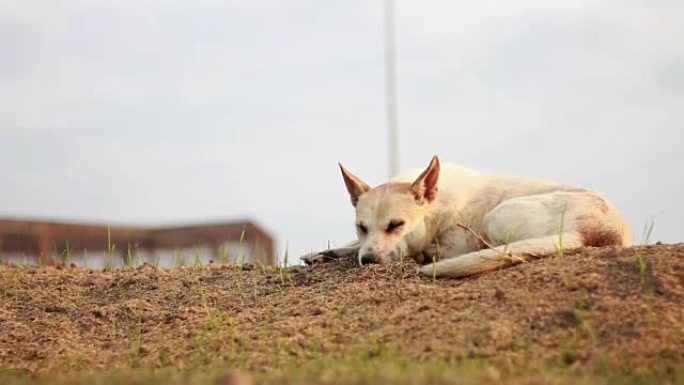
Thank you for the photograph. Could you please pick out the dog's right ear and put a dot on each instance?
(355, 186)
(425, 187)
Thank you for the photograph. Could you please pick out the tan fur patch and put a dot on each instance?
(593, 229)
(594, 234)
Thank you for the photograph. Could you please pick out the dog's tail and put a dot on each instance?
(502, 256)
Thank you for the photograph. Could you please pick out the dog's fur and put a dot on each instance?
(470, 222)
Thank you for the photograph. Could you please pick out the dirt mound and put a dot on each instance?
(591, 308)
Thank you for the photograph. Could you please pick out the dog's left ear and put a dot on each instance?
(424, 189)
(355, 186)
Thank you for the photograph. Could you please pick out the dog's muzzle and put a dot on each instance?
(368, 259)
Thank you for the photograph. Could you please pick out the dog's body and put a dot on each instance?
(470, 222)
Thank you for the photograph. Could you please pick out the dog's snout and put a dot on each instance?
(367, 259)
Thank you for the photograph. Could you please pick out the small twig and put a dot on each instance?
(489, 246)
(476, 235)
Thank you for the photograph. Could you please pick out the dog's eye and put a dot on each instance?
(362, 228)
(394, 225)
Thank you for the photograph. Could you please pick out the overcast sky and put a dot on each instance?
(160, 111)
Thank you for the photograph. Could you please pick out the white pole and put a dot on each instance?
(391, 90)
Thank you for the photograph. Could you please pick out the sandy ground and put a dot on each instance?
(594, 309)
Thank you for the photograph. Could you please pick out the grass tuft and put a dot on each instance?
(561, 230)
(642, 262)
(198, 256)
(67, 253)
(109, 253)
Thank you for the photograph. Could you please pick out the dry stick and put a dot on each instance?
(509, 256)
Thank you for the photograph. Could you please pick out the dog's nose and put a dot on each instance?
(367, 259)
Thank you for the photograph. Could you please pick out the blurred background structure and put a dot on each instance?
(95, 245)
(169, 111)
(54, 242)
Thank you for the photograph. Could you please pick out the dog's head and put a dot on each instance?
(388, 215)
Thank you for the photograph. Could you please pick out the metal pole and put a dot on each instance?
(391, 90)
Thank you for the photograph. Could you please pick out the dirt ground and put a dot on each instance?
(603, 309)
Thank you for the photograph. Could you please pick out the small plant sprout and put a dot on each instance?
(111, 247)
(129, 257)
(434, 270)
(283, 271)
(198, 256)
(262, 266)
(647, 232)
(240, 259)
(256, 287)
(505, 252)
(401, 263)
(642, 263)
(238, 285)
(9, 281)
(176, 258)
(559, 246)
(434, 265)
(67, 252)
(136, 249)
(223, 254)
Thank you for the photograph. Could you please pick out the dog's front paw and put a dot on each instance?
(312, 258)
(330, 255)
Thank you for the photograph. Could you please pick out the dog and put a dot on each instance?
(457, 222)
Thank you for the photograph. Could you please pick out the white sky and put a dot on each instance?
(164, 111)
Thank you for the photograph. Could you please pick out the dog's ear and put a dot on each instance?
(355, 186)
(425, 187)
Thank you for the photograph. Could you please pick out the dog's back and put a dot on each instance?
(466, 190)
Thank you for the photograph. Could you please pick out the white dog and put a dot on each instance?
(459, 222)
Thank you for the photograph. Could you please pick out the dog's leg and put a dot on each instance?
(501, 256)
(539, 225)
(449, 244)
(349, 250)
